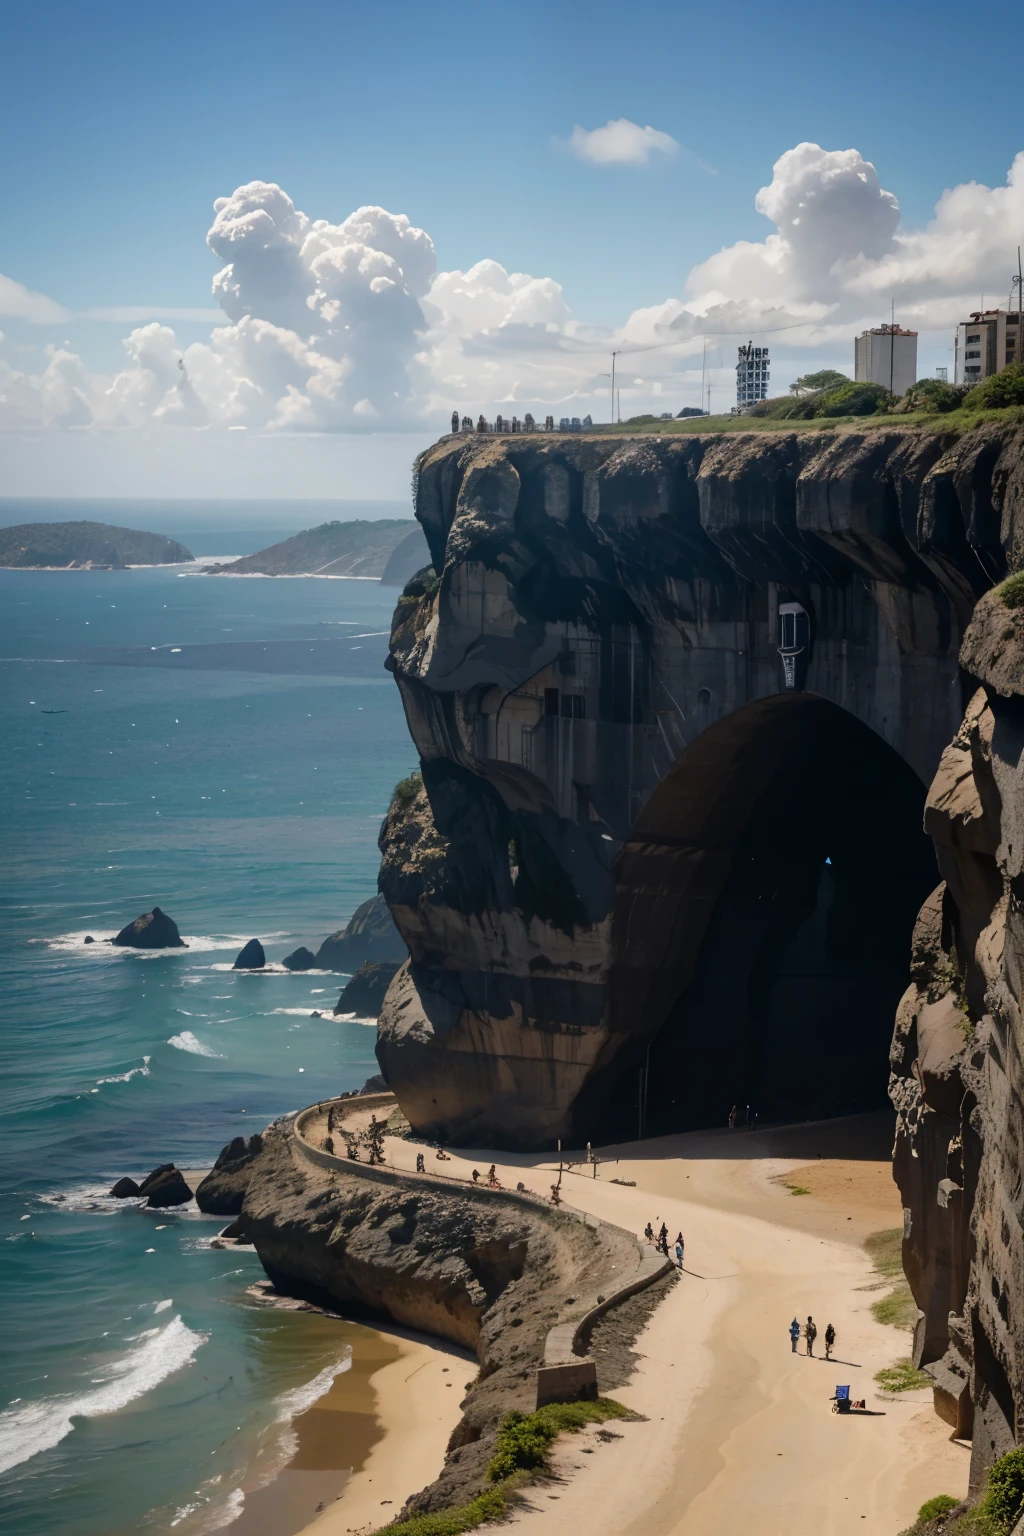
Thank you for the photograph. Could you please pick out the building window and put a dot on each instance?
(703, 697)
(551, 701)
(974, 338)
(976, 353)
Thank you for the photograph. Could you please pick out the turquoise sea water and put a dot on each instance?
(224, 749)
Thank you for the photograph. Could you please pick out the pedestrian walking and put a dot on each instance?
(830, 1341)
(663, 1239)
(420, 1165)
(733, 1117)
(679, 1255)
(681, 1246)
(649, 1233)
(810, 1334)
(794, 1333)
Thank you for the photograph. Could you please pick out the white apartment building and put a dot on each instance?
(986, 344)
(751, 375)
(886, 355)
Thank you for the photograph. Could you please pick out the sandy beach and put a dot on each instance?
(738, 1430)
(416, 1389)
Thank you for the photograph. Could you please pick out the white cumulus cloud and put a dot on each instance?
(350, 326)
(621, 142)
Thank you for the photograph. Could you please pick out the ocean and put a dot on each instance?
(224, 749)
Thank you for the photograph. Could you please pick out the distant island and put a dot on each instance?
(391, 549)
(84, 547)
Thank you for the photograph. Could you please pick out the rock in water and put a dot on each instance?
(124, 1188)
(370, 934)
(301, 959)
(151, 930)
(251, 958)
(222, 1191)
(165, 1186)
(88, 939)
(365, 992)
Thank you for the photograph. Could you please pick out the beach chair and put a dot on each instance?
(841, 1401)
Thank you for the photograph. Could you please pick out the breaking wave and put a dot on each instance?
(27, 1430)
(187, 1041)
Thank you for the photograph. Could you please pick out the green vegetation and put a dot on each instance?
(524, 1438)
(902, 1377)
(797, 1189)
(931, 395)
(406, 790)
(63, 545)
(1011, 592)
(423, 584)
(1003, 1499)
(815, 383)
(898, 1309)
(521, 1448)
(942, 1503)
(995, 1514)
(999, 391)
(492, 1505)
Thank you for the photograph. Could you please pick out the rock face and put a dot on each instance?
(151, 930)
(222, 1191)
(301, 959)
(369, 934)
(642, 830)
(957, 1070)
(250, 957)
(124, 1189)
(365, 993)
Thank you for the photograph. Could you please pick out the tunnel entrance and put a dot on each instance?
(761, 937)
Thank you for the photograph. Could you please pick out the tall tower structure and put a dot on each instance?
(751, 375)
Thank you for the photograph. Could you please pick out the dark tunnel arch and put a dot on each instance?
(766, 898)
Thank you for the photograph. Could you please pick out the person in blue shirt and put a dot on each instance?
(794, 1333)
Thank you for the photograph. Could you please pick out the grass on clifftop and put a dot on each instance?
(898, 1309)
(954, 422)
(521, 1448)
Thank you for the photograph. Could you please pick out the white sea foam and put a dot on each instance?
(187, 1041)
(355, 1018)
(126, 1077)
(290, 1404)
(33, 1427)
(297, 1013)
(163, 1306)
(198, 943)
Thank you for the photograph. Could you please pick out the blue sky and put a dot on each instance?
(123, 123)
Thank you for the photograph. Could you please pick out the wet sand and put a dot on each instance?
(375, 1437)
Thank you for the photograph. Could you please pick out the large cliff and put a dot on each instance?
(654, 868)
(958, 1075)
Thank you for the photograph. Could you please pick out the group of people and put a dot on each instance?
(660, 1242)
(810, 1333)
(743, 1115)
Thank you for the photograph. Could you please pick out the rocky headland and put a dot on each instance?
(390, 549)
(85, 546)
